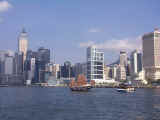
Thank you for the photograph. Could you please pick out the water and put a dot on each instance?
(62, 104)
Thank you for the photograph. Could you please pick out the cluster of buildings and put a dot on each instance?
(33, 67)
(138, 67)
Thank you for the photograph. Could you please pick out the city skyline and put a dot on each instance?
(69, 27)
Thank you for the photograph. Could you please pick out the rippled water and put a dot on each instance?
(62, 104)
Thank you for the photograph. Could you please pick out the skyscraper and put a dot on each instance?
(136, 62)
(123, 58)
(42, 59)
(122, 69)
(79, 68)
(151, 55)
(67, 70)
(23, 43)
(95, 64)
(121, 73)
(9, 65)
(18, 63)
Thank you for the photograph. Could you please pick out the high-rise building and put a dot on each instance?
(23, 43)
(136, 62)
(151, 55)
(123, 58)
(67, 70)
(80, 68)
(56, 69)
(122, 70)
(9, 60)
(29, 66)
(2, 61)
(18, 63)
(6, 62)
(42, 59)
(121, 73)
(31, 71)
(95, 64)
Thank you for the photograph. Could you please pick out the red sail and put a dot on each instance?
(72, 83)
(81, 80)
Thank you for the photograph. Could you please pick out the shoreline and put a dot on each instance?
(64, 86)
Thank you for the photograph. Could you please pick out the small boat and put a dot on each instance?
(80, 84)
(125, 88)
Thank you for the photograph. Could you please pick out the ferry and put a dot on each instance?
(125, 88)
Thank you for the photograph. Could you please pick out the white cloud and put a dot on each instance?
(94, 30)
(4, 6)
(116, 44)
(86, 44)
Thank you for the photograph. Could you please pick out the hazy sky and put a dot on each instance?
(69, 26)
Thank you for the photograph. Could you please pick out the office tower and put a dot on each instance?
(56, 69)
(6, 62)
(9, 62)
(80, 68)
(95, 64)
(123, 58)
(30, 65)
(67, 70)
(2, 61)
(18, 63)
(121, 73)
(136, 62)
(31, 71)
(23, 43)
(151, 55)
(42, 59)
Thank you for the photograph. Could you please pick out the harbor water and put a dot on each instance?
(22, 103)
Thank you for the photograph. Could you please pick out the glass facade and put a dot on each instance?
(95, 64)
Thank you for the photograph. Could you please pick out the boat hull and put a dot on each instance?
(126, 90)
(80, 89)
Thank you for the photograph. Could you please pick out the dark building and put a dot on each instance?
(80, 68)
(18, 63)
(1, 67)
(67, 70)
(42, 59)
(139, 59)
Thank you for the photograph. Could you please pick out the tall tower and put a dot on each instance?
(123, 58)
(95, 64)
(151, 55)
(23, 43)
(136, 62)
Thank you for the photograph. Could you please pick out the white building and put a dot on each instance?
(123, 58)
(8, 69)
(114, 71)
(95, 64)
(151, 55)
(121, 73)
(31, 72)
(56, 69)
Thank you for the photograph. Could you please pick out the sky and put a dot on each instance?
(67, 27)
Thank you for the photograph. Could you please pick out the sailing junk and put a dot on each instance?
(81, 84)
